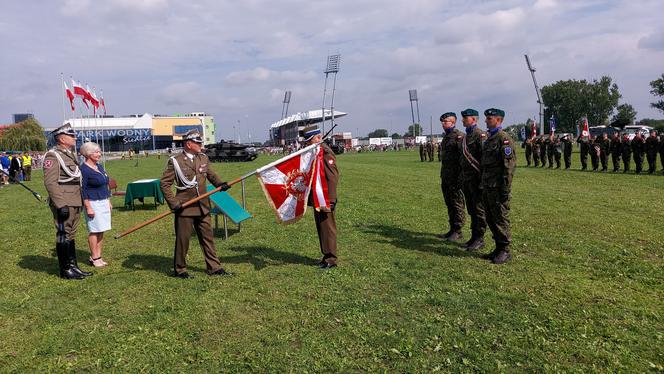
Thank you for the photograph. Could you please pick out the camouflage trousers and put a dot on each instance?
(497, 207)
(473, 194)
(453, 196)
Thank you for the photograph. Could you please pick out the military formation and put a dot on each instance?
(616, 151)
(476, 174)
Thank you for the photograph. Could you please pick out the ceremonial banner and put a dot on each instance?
(287, 182)
(533, 129)
(319, 184)
(585, 132)
(552, 124)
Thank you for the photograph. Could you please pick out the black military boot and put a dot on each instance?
(445, 235)
(502, 257)
(469, 242)
(455, 236)
(71, 252)
(66, 271)
(477, 244)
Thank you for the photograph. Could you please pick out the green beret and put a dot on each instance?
(469, 113)
(494, 112)
(448, 114)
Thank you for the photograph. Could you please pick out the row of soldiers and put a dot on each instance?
(549, 148)
(426, 151)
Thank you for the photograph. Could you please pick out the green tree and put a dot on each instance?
(24, 136)
(625, 115)
(657, 124)
(658, 91)
(571, 99)
(414, 130)
(396, 136)
(378, 133)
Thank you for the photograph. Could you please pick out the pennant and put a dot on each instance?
(287, 183)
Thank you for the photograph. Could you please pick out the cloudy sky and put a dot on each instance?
(235, 59)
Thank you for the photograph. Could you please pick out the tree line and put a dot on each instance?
(27, 136)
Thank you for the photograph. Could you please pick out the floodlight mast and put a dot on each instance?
(333, 62)
(285, 104)
(539, 94)
(413, 97)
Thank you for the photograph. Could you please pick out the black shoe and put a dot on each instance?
(454, 237)
(327, 265)
(221, 272)
(184, 275)
(71, 252)
(445, 235)
(466, 244)
(501, 258)
(476, 245)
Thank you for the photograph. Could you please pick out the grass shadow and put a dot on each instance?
(48, 265)
(261, 257)
(157, 263)
(414, 240)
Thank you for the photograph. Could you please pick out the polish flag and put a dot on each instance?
(94, 100)
(585, 132)
(70, 96)
(533, 129)
(78, 89)
(287, 182)
(103, 104)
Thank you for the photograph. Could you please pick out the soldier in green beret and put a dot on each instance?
(537, 144)
(471, 170)
(543, 147)
(451, 179)
(498, 165)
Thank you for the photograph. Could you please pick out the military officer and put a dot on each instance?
(536, 150)
(638, 148)
(451, 178)
(422, 152)
(626, 151)
(188, 172)
(594, 151)
(326, 225)
(550, 143)
(472, 178)
(584, 150)
(614, 149)
(652, 147)
(543, 143)
(430, 150)
(604, 145)
(528, 146)
(567, 150)
(498, 165)
(62, 179)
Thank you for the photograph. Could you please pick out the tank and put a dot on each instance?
(225, 151)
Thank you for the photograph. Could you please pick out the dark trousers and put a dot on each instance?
(615, 158)
(543, 156)
(661, 156)
(454, 201)
(584, 159)
(604, 159)
(550, 157)
(638, 160)
(473, 195)
(627, 158)
(326, 226)
(594, 159)
(557, 157)
(184, 227)
(66, 230)
(652, 162)
(536, 158)
(529, 156)
(27, 173)
(498, 217)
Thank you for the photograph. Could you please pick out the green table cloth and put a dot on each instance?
(143, 188)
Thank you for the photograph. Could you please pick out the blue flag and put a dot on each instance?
(552, 124)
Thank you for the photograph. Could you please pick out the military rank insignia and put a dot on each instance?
(508, 151)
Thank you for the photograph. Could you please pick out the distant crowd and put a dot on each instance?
(18, 167)
(549, 149)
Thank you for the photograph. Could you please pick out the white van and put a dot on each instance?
(631, 131)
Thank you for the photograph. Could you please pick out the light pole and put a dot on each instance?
(333, 62)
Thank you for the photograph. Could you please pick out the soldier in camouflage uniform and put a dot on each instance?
(614, 148)
(626, 150)
(652, 146)
(472, 178)
(638, 148)
(498, 165)
(594, 151)
(604, 145)
(528, 146)
(422, 153)
(583, 151)
(567, 151)
(536, 150)
(451, 179)
(550, 149)
(430, 150)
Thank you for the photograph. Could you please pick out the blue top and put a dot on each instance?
(5, 162)
(94, 185)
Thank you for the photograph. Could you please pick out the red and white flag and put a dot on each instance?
(94, 100)
(585, 131)
(319, 183)
(287, 182)
(70, 96)
(533, 129)
(78, 89)
(101, 101)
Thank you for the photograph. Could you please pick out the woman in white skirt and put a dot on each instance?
(96, 199)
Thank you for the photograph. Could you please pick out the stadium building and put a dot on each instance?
(286, 131)
(141, 132)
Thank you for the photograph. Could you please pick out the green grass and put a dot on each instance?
(584, 291)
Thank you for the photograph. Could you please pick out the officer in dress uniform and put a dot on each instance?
(188, 172)
(62, 179)
(451, 178)
(326, 224)
(498, 165)
(472, 178)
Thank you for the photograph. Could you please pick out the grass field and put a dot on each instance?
(583, 292)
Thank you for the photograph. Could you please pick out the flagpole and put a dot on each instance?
(62, 78)
(103, 151)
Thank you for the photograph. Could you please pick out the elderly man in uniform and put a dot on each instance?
(498, 165)
(62, 179)
(188, 171)
(451, 181)
(326, 224)
(472, 178)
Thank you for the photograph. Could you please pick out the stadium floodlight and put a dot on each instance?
(285, 104)
(413, 97)
(538, 92)
(333, 63)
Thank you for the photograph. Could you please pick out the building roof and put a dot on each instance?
(307, 118)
